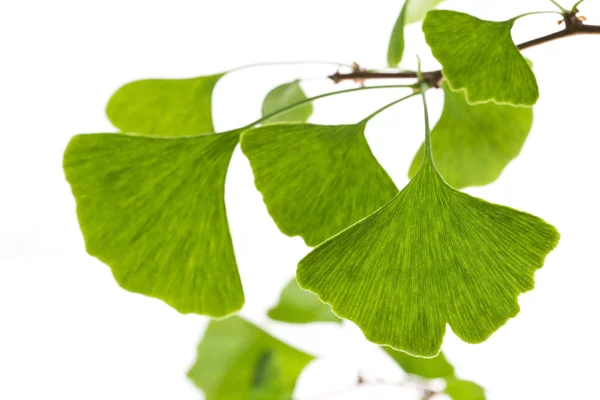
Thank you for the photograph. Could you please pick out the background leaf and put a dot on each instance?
(412, 11)
(472, 144)
(316, 179)
(237, 360)
(153, 210)
(432, 256)
(480, 58)
(464, 390)
(300, 306)
(164, 107)
(283, 96)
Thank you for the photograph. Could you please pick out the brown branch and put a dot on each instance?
(573, 26)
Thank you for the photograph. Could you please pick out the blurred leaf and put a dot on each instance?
(237, 360)
(412, 11)
(153, 209)
(267, 382)
(283, 96)
(480, 58)
(300, 306)
(164, 107)
(316, 179)
(432, 256)
(429, 368)
(417, 9)
(464, 390)
(472, 144)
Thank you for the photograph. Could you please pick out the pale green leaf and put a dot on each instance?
(237, 360)
(153, 209)
(412, 11)
(417, 9)
(300, 306)
(472, 144)
(464, 390)
(430, 368)
(164, 107)
(432, 256)
(480, 58)
(283, 96)
(316, 179)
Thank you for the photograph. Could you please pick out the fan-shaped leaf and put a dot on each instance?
(283, 96)
(316, 179)
(153, 209)
(480, 58)
(472, 144)
(301, 306)
(432, 256)
(164, 107)
(237, 360)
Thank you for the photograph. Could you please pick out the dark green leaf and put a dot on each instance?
(237, 360)
(464, 390)
(153, 209)
(430, 368)
(480, 58)
(432, 256)
(300, 306)
(472, 144)
(283, 96)
(164, 107)
(316, 179)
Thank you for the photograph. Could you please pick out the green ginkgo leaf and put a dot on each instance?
(299, 306)
(431, 256)
(480, 58)
(412, 11)
(472, 144)
(237, 360)
(458, 389)
(283, 96)
(316, 179)
(164, 107)
(429, 368)
(153, 209)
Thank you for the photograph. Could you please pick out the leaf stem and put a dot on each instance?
(573, 26)
(574, 9)
(427, 146)
(281, 63)
(382, 109)
(562, 9)
(321, 96)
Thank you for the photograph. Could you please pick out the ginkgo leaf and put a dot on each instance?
(237, 360)
(316, 179)
(431, 256)
(153, 209)
(458, 389)
(164, 107)
(412, 11)
(480, 58)
(472, 144)
(283, 96)
(299, 306)
(430, 368)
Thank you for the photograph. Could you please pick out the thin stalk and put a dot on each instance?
(321, 96)
(382, 109)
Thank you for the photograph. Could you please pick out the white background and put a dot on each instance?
(67, 331)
